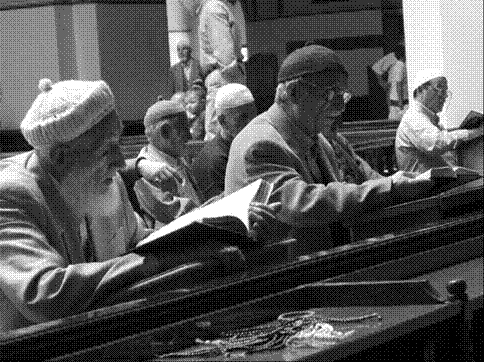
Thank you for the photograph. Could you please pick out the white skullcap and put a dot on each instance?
(426, 75)
(232, 95)
(65, 110)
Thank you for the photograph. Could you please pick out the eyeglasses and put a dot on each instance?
(442, 90)
(331, 92)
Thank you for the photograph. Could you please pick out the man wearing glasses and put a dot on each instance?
(295, 145)
(422, 142)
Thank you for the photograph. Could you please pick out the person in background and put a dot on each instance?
(53, 263)
(166, 127)
(195, 107)
(295, 145)
(185, 72)
(223, 51)
(235, 107)
(392, 75)
(422, 142)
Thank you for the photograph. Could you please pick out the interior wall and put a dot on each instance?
(448, 34)
(29, 52)
(85, 29)
(134, 54)
(271, 36)
(462, 26)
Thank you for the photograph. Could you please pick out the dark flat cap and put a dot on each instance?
(307, 60)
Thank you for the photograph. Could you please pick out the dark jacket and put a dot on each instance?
(176, 77)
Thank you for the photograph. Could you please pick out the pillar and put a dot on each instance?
(448, 34)
(182, 24)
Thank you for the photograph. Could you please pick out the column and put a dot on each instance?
(448, 34)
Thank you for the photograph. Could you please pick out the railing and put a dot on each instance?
(372, 140)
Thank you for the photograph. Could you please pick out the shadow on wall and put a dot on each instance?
(262, 79)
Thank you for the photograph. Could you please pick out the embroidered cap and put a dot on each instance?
(426, 75)
(232, 95)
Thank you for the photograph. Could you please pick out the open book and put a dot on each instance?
(472, 120)
(448, 177)
(225, 221)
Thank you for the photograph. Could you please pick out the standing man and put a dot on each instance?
(392, 75)
(317, 176)
(422, 142)
(222, 40)
(234, 107)
(184, 73)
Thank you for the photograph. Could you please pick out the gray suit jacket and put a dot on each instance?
(269, 147)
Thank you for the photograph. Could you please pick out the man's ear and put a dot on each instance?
(165, 130)
(293, 91)
(58, 154)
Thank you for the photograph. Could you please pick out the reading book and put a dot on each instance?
(472, 120)
(448, 177)
(225, 221)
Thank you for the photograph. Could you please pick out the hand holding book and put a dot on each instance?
(232, 220)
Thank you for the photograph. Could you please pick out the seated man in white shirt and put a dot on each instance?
(422, 142)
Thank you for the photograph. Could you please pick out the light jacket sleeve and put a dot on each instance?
(307, 204)
(40, 280)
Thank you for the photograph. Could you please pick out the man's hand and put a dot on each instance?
(409, 187)
(477, 132)
(262, 220)
(161, 175)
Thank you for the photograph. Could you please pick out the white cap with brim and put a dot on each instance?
(232, 95)
(426, 75)
(65, 110)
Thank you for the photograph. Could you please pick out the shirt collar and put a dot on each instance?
(291, 133)
(432, 115)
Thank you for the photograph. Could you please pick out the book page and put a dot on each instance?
(237, 203)
(227, 210)
(460, 170)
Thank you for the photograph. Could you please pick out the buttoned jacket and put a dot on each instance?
(271, 147)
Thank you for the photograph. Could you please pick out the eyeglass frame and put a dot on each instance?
(342, 91)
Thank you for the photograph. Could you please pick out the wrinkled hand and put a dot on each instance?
(159, 174)
(409, 187)
(262, 220)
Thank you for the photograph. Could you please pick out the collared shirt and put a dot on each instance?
(422, 142)
(209, 167)
(335, 159)
(188, 71)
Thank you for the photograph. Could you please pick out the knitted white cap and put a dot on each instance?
(232, 95)
(65, 110)
(425, 75)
